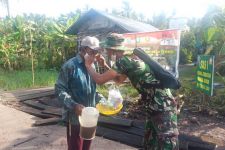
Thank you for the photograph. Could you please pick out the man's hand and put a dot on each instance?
(78, 109)
(89, 59)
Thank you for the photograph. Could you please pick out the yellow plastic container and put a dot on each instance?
(108, 111)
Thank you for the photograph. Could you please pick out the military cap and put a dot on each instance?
(113, 41)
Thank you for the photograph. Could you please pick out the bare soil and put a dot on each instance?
(17, 133)
(210, 128)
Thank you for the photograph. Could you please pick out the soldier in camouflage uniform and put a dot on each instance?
(160, 106)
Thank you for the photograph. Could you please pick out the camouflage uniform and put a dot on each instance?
(161, 122)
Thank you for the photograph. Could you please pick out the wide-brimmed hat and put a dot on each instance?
(113, 41)
(91, 42)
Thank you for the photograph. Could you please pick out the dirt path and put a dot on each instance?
(17, 133)
(208, 128)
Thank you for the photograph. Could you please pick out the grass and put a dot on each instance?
(194, 96)
(189, 73)
(12, 80)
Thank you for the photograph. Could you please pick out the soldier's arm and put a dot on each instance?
(110, 74)
(102, 78)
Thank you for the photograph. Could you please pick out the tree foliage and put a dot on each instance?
(44, 36)
(51, 47)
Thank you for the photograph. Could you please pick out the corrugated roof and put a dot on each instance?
(128, 25)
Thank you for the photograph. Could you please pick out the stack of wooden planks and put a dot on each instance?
(43, 104)
(32, 101)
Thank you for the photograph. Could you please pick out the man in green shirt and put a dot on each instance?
(161, 121)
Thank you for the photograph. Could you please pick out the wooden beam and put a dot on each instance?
(34, 112)
(51, 101)
(129, 130)
(44, 122)
(195, 143)
(55, 112)
(37, 105)
(129, 139)
(114, 121)
(138, 124)
(29, 91)
(27, 97)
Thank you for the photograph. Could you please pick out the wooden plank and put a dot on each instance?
(28, 91)
(34, 112)
(27, 97)
(125, 138)
(185, 142)
(130, 130)
(51, 101)
(203, 146)
(55, 112)
(24, 93)
(114, 121)
(195, 143)
(44, 122)
(37, 105)
(37, 94)
(138, 124)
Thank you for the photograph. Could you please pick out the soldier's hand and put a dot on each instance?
(78, 109)
(101, 60)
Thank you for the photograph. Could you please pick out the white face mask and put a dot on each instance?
(113, 60)
(89, 57)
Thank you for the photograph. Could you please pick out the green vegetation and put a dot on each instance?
(188, 73)
(35, 41)
(34, 45)
(195, 98)
(12, 80)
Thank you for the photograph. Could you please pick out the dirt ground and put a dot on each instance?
(210, 128)
(17, 133)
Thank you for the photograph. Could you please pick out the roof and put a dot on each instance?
(126, 25)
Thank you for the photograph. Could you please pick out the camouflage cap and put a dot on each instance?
(113, 41)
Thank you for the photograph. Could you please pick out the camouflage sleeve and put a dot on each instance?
(121, 65)
(62, 88)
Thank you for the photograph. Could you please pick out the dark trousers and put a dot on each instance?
(74, 141)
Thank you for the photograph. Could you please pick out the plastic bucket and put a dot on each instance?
(88, 122)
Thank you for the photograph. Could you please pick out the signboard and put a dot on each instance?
(205, 73)
(163, 46)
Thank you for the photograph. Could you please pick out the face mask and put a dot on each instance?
(113, 60)
(89, 57)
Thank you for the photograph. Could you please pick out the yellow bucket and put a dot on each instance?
(108, 111)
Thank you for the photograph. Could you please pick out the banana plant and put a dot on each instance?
(49, 43)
